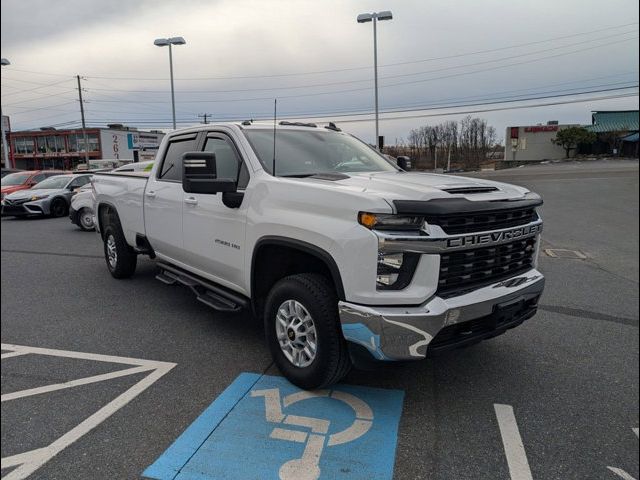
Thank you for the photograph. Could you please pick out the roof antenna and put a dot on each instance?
(275, 113)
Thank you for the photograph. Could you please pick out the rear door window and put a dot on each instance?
(171, 169)
(38, 178)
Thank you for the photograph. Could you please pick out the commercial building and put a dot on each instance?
(533, 142)
(616, 130)
(49, 148)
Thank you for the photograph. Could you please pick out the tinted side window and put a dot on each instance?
(80, 181)
(172, 165)
(38, 178)
(227, 161)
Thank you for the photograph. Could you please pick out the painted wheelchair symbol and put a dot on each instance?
(307, 467)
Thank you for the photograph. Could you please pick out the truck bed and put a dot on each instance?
(125, 192)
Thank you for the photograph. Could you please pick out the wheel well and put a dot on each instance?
(274, 261)
(106, 215)
(60, 198)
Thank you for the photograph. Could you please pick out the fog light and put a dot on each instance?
(389, 266)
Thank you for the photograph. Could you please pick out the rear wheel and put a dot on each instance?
(303, 331)
(85, 219)
(120, 257)
(58, 208)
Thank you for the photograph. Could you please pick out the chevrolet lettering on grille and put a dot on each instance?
(494, 238)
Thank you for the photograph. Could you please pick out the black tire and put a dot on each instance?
(318, 296)
(59, 208)
(126, 259)
(82, 226)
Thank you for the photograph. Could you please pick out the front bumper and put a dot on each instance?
(37, 207)
(412, 333)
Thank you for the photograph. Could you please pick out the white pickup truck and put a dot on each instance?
(344, 256)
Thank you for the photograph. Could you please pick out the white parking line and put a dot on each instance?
(513, 446)
(74, 383)
(621, 473)
(28, 462)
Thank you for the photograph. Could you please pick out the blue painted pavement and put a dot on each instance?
(263, 427)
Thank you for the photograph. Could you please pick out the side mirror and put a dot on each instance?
(199, 174)
(404, 163)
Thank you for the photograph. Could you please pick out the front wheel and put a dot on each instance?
(303, 331)
(120, 257)
(58, 208)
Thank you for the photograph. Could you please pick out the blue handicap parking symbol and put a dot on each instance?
(262, 427)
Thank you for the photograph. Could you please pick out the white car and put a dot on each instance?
(81, 208)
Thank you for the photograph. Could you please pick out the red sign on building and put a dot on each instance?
(542, 128)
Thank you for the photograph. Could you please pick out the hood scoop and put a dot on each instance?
(330, 176)
(470, 190)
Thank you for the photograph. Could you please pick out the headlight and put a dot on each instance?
(395, 270)
(386, 221)
(38, 197)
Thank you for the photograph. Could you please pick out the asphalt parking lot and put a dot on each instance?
(566, 381)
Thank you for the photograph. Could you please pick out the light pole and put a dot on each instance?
(374, 17)
(5, 153)
(163, 42)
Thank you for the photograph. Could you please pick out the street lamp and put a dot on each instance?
(4, 62)
(163, 42)
(374, 17)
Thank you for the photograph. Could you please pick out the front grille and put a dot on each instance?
(455, 223)
(464, 271)
(13, 210)
(16, 202)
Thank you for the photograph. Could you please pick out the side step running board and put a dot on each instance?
(212, 295)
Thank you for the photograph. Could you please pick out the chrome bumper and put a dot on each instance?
(404, 333)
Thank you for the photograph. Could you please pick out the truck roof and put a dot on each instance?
(249, 124)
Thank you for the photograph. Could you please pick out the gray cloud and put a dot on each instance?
(243, 38)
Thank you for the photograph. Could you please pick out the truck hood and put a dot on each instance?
(423, 186)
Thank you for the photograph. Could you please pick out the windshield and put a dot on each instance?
(15, 179)
(59, 181)
(304, 153)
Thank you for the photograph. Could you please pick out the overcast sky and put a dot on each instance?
(316, 60)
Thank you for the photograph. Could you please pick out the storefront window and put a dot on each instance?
(94, 142)
(42, 145)
(72, 140)
(55, 143)
(23, 145)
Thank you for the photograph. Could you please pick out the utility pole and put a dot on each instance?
(204, 116)
(84, 126)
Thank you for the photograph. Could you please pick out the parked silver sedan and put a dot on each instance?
(49, 197)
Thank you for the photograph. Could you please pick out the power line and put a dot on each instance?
(50, 107)
(432, 108)
(34, 88)
(334, 92)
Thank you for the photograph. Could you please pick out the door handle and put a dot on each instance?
(150, 194)
(191, 200)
